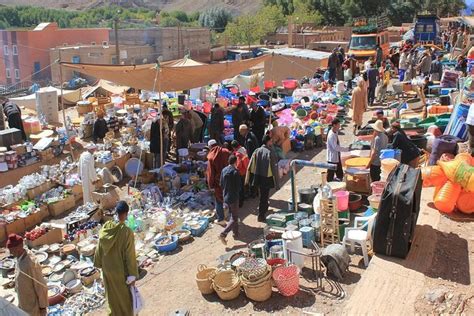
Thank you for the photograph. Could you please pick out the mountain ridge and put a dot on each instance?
(236, 7)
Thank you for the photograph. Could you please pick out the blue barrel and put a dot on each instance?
(307, 234)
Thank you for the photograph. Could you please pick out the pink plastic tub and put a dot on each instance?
(342, 198)
(377, 187)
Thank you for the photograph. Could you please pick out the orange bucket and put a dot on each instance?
(445, 200)
(465, 202)
(433, 176)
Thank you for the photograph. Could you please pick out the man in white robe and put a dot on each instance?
(87, 172)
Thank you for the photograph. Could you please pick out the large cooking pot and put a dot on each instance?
(355, 202)
(307, 195)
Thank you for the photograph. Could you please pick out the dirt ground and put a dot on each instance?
(435, 278)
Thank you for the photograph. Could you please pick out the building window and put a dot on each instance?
(93, 43)
(64, 44)
(36, 67)
(15, 50)
(8, 74)
(105, 43)
(5, 50)
(17, 73)
(76, 59)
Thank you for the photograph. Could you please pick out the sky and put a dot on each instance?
(469, 4)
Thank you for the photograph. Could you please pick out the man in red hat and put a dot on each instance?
(29, 281)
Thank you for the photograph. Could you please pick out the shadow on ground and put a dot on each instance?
(440, 255)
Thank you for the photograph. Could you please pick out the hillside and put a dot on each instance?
(235, 6)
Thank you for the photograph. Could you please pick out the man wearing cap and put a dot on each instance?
(30, 284)
(257, 117)
(333, 153)
(379, 142)
(217, 160)
(87, 172)
(250, 141)
(115, 255)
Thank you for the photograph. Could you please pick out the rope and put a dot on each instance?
(29, 76)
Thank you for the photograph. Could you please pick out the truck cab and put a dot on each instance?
(365, 38)
(427, 30)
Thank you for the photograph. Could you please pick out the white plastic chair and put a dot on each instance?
(357, 235)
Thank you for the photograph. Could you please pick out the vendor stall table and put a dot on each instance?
(13, 176)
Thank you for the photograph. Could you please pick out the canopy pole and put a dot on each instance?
(271, 97)
(162, 171)
(62, 104)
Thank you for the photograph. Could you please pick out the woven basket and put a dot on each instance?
(227, 285)
(259, 292)
(204, 278)
(254, 280)
(253, 266)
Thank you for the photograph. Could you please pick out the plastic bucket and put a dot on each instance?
(378, 187)
(445, 200)
(390, 153)
(342, 198)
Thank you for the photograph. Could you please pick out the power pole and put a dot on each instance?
(117, 49)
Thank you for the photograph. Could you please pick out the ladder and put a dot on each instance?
(329, 222)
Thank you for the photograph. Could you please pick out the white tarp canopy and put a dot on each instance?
(104, 87)
(29, 101)
(247, 82)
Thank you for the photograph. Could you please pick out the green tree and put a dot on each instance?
(304, 13)
(169, 21)
(286, 6)
(215, 18)
(180, 16)
(270, 18)
(244, 30)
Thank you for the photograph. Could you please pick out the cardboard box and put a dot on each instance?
(34, 192)
(56, 209)
(32, 220)
(15, 227)
(120, 162)
(3, 233)
(53, 236)
(108, 199)
(46, 154)
(43, 212)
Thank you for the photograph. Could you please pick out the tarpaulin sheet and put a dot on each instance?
(29, 101)
(173, 75)
(104, 85)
